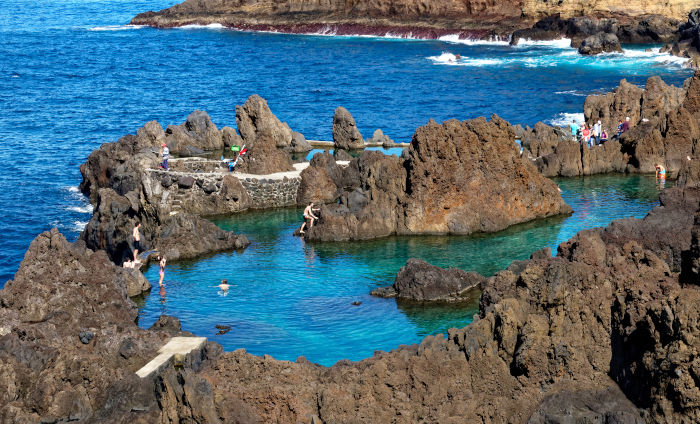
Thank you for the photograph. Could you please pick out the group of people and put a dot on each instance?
(594, 135)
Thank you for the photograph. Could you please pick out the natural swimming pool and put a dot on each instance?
(290, 298)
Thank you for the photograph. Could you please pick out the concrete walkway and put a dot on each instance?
(298, 167)
(176, 345)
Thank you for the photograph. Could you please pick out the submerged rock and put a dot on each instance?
(421, 281)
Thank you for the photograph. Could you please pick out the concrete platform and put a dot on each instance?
(176, 345)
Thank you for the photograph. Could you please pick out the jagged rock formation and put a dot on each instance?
(664, 128)
(688, 40)
(69, 344)
(346, 136)
(647, 29)
(602, 332)
(264, 135)
(449, 173)
(472, 18)
(116, 179)
(420, 281)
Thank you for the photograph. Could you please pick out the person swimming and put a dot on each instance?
(224, 286)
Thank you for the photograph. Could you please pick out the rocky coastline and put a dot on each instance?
(605, 331)
(663, 130)
(596, 28)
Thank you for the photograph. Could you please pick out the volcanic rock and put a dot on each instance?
(421, 281)
(378, 137)
(196, 135)
(449, 172)
(345, 133)
(263, 134)
(600, 43)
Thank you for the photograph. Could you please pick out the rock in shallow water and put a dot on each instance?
(421, 281)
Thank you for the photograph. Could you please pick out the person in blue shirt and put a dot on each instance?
(574, 128)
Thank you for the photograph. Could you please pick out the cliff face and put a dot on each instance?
(501, 17)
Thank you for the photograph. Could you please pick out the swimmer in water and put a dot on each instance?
(224, 286)
(458, 57)
(161, 263)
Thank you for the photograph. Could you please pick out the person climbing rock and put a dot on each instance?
(309, 217)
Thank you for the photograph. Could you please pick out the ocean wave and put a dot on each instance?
(72, 189)
(564, 43)
(197, 26)
(450, 59)
(81, 209)
(115, 27)
(79, 225)
(572, 93)
(564, 119)
(455, 39)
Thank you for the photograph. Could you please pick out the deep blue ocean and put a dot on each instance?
(73, 76)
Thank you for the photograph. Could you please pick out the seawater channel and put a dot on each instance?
(290, 298)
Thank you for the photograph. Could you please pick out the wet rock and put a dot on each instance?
(345, 133)
(223, 329)
(420, 281)
(688, 42)
(600, 43)
(166, 323)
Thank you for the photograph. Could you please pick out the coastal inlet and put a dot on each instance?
(289, 298)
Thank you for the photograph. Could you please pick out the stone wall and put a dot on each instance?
(267, 193)
(216, 193)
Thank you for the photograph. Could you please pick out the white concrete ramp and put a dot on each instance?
(176, 345)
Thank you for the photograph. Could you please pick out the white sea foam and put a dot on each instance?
(197, 26)
(454, 39)
(564, 119)
(72, 189)
(450, 59)
(115, 27)
(572, 93)
(79, 225)
(81, 209)
(564, 43)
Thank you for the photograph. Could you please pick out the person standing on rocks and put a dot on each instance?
(574, 128)
(165, 154)
(308, 217)
(161, 263)
(625, 126)
(596, 133)
(137, 240)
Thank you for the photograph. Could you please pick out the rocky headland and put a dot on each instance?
(426, 20)
(663, 130)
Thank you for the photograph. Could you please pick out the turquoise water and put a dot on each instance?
(74, 76)
(290, 298)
